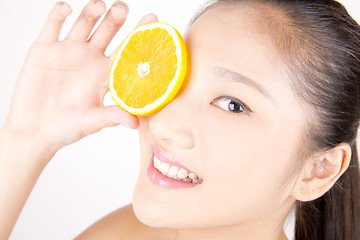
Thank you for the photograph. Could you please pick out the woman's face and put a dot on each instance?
(236, 124)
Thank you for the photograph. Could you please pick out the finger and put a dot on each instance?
(87, 20)
(109, 116)
(149, 18)
(52, 27)
(112, 22)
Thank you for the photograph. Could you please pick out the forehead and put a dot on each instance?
(229, 35)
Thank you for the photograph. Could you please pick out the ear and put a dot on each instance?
(321, 172)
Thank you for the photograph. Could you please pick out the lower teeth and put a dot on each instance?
(187, 179)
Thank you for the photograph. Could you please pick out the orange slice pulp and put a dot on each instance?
(148, 69)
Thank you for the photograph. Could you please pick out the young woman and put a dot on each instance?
(266, 121)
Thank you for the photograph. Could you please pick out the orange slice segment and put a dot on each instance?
(148, 69)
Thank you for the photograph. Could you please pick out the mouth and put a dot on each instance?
(176, 172)
(165, 171)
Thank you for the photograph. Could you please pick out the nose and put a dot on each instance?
(171, 127)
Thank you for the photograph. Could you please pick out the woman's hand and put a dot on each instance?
(58, 97)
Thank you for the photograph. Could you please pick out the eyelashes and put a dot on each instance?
(230, 104)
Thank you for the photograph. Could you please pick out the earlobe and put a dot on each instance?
(321, 172)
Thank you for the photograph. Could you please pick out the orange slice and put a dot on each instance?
(148, 69)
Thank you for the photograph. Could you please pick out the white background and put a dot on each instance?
(96, 175)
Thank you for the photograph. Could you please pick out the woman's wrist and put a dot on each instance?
(27, 150)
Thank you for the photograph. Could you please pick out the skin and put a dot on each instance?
(246, 159)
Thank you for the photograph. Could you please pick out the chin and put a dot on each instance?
(155, 207)
(147, 208)
(146, 215)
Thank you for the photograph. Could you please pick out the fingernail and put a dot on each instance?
(100, 3)
(119, 5)
(65, 8)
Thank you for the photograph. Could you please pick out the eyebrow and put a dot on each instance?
(237, 77)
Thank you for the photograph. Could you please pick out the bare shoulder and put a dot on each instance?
(123, 224)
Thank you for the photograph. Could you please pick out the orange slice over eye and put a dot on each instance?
(148, 69)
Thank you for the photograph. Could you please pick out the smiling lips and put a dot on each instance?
(164, 170)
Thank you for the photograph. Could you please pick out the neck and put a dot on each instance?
(259, 229)
(226, 233)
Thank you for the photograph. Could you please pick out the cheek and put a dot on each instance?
(236, 146)
(256, 145)
(244, 164)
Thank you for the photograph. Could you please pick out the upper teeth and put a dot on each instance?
(176, 172)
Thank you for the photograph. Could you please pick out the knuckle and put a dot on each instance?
(116, 19)
(111, 23)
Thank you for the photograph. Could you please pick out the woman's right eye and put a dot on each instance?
(230, 104)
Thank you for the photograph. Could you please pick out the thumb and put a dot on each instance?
(108, 116)
(149, 18)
